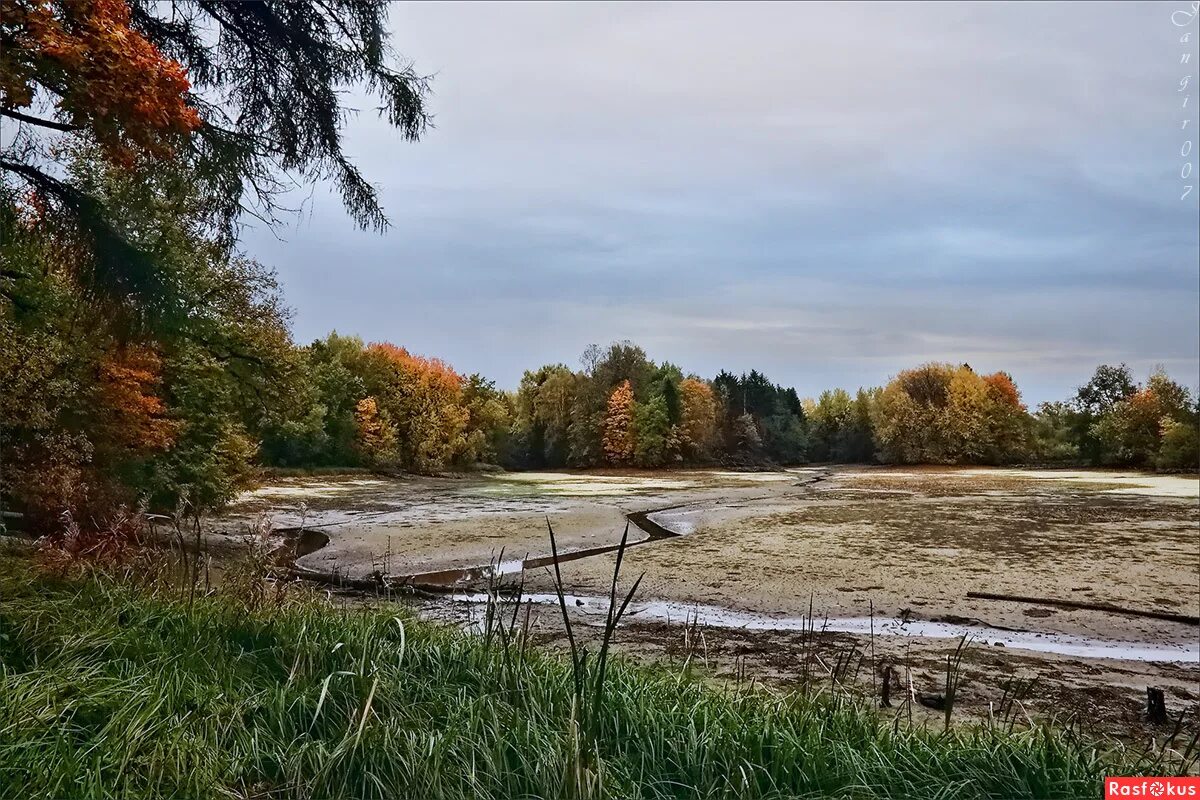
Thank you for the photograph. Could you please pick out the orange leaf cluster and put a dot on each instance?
(431, 371)
(619, 442)
(1145, 404)
(109, 78)
(132, 415)
(1002, 386)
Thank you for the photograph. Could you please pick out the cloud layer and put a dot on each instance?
(826, 192)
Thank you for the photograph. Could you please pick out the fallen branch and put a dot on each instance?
(375, 583)
(1169, 616)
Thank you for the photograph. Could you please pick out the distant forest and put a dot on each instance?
(382, 407)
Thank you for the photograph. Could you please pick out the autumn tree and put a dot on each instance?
(698, 419)
(423, 398)
(619, 442)
(947, 414)
(105, 77)
(213, 368)
(1134, 429)
(1112, 420)
(908, 419)
(375, 435)
(1008, 425)
(130, 418)
(136, 134)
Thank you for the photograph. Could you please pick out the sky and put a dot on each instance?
(828, 193)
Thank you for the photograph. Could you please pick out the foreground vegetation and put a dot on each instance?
(169, 692)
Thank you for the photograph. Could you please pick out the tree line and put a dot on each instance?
(379, 406)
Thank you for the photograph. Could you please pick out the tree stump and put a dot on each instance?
(1156, 705)
(886, 700)
(932, 700)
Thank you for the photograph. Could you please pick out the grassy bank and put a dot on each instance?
(114, 690)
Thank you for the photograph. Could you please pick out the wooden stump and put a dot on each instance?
(932, 700)
(886, 700)
(1156, 705)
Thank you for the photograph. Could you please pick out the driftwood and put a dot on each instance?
(375, 583)
(1169, 616)
(336, 580)
(888, 676)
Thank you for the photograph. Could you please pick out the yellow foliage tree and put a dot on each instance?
(376, 436)
(947, 414)
(619, 441)
(697, 417)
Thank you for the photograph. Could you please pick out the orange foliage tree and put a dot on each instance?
(1002, 389)
(130, 415)
(107, 78)
(80, 447)
(619, 441)
(1134, 429)
(424, 399)
(129, 422)
(237, 91)
(1009, 428)
(948, 414)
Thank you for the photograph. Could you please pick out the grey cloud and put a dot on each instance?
(830, 192)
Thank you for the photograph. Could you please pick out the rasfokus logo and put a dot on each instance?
(1151, 787)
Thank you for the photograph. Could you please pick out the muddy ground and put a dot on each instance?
(918, 541)
(757, 550)
(421, 524)
(1101, 698)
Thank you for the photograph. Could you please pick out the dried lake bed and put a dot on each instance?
(891, 550)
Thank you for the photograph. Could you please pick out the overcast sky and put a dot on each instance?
(827, 193)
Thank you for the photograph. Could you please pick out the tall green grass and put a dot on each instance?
(109, 690)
